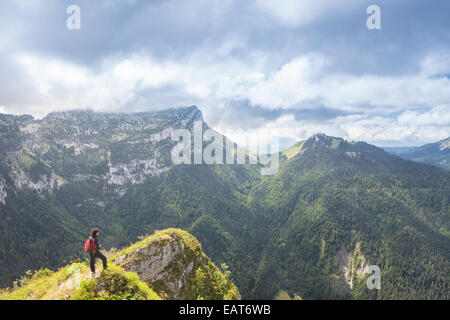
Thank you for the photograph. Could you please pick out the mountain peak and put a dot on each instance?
(323, 137)
(81, 113)
(322, 140)
(445, 144)
(320, 135)
(170, 262)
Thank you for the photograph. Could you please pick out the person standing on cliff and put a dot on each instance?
(93, 248)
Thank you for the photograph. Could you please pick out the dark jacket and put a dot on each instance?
(96, 244)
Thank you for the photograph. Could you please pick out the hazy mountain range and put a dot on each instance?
(333, 209)
(437, 153)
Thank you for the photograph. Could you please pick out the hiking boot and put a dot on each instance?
(92, 275)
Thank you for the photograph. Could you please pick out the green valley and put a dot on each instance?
(311, 230)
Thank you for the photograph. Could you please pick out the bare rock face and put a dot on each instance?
(172, 263)
(3, 193)
(84, 147)
(353, 264)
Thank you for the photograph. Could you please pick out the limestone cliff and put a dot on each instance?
(172, 263)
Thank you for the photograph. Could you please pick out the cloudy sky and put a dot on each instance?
(297, 66)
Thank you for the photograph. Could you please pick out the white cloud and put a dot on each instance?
(436, 116)
(378, 130)
(303, 83)
(276, 56)
(292, 84)
(296, 13)
(61, 85)
(307, 79)
(414, 127)
(436, 64)
(410, 125)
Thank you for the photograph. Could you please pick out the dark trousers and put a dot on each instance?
(98, 255)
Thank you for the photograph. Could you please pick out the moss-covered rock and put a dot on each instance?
(173, 264)
(115, 284)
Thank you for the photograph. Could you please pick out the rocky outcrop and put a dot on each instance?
(353, 264)
(116, 150)
(134, 172)
(172, 263)
(45, 182)
(3, 193)
(167, 265)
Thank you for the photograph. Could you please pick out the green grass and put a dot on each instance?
(44, 284)
(73, 283)
(293, 151)
(115, 284)
(284, 295)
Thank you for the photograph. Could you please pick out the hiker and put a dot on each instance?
(93, 247)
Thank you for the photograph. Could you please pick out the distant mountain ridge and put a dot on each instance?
(73, 146)
(397, 150)
(437, 153)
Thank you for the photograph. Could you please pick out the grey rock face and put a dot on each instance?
(166, 263)
(113, 150)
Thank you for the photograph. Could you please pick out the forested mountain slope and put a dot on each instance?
(334, 207)
(58, 174)
(437, 154)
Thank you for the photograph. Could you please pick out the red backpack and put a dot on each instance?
(89, 245)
